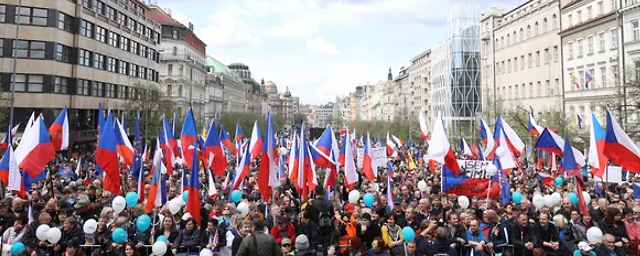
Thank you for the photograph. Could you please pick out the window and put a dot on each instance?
(99, 61)
(65, 22)
(133, 69)
(570, 50)
(100, 7)
(174, 52)
(602, 44)
(509, 66)
(169, 89)
(60, 85)
(134, 47)
(592, 74)
(101, 34)
(63, 53)
(122, 92)
(87, 4)
(179, 91)
(181, 69)
(589, 13)
(546, 86)
(614, 39)
(528, 31)
(603, 76)
(140, 28)
(122, 19)
(554, 22)
(83, 87)
(508, 39)
(581, 78)
(555, 54)
(111, 13)
(580, 48)
(536, 29)
(522, 62)
(544, 25)
(150, 74)
(530, 61)
(84, 57)
(32, 16)
(124, 66)
(97, 89)
(515, 64)
(113, 39)
(1, 46)
(29, 49)
(143, 51)
(112, 64)
(515, 38)
(521, 34)
(537, 58)
(546, 56)
(590, 45)
(132, 24)
(614, 4)
(579, 13)
(124, 43)
(570, 18)
(86, 28)
(141, 72)
(600, 8)
(111, 90)
(3, 12)
(636, 30)
(170, 70)
(30, 83)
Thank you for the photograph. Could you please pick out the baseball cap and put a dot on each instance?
(349, 208)
(81, 203)
(285, 241)
(397, 200)
(584, 246)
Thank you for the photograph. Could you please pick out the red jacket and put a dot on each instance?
(277, 233)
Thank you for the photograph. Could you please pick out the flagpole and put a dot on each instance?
(15, 66)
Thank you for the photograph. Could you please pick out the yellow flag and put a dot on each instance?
(412, 165)
(204, 132)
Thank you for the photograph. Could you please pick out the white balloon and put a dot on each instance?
(422, 185)
(463, 201)
(500, 151)
(174, 205)
(54, 235)
(41, 232)
(118, 204)
(549, 201)
(6, 250)
(90, 226)
(186, 216)
(538, 201)
(557, 198)
(354, 195)
(491, 170)
(159, 248)
(206, 252)
(243, 209)
(594, 235)
(284, 151)
(586, 196)
(179, 200)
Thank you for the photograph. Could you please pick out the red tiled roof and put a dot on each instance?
(158, 15)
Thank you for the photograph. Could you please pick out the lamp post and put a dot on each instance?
(15, 65)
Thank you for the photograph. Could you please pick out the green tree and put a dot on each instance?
(625, 103)
(151, 103)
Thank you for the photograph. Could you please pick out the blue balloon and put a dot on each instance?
(408, 234)
(185, 195)
(236, 196)
(119, 236)
(162, 238)
(131, 198)
(559, 181)
(573, 197)
(17, 248)
(368, 199)
(516, 197)
(143, 223)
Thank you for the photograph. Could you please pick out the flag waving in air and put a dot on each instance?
(59, 131)
(193, 201)
(268, 173)
(188, 137)
(35, 149)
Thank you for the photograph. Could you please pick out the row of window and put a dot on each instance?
(502, 44)
(103, 35)
(37, 83)
(516, 92)
(509, 65)
(589, 13)
(590, 44)
(99, 5)
(578, 78)
(122, 19)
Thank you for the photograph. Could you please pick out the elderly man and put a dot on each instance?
(609, 248)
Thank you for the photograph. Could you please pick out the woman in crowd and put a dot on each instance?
(378, 248)
(189, 238)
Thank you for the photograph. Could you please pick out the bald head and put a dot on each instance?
(16, 204)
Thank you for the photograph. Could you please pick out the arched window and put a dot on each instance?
(515, 39)
(536, 29)
(554, 22)
(521, 34)
(175, 51)
(508, 39)
(528, 31)
(502, 42)
(544, 25)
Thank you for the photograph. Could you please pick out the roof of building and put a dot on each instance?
(157, 14)
(218, 67)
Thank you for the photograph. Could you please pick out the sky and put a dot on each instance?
(319, 49)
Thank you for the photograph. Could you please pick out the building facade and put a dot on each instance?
(77, 55)
(182, 59)
(402, 91)
(420, 85)
(256, 97)
(455, 67)
(281, 103)
(234, 93)
(323, 115)
(521, 57)
(590, 47)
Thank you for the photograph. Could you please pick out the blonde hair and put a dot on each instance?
(560, 221)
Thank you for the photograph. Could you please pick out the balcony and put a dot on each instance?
(180, 57)
(486, 35)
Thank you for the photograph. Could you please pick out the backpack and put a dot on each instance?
(324, 221)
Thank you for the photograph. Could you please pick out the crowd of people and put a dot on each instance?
(326, 223)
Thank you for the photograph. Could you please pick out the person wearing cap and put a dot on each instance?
(302, 246)
(283, 229)
(348, 228)
(83, 210)
(584, 249)
(287, 247)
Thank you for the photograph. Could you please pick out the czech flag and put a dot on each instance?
(188, 137)
(569, 165)
(533, 127)
(100, 119)
(268, 173)
(323, 150)
(398, 141)
(224, 139)
(546, 178)
(59, 131)
(35, 149)
(8, 138)
(9, 171)
(172, 133)
(424, 132)
(351, 176)
(513, 140)
(465, 149)
(391, 148)
(141, 193)
(255, 144)
(619, 147)
(123, 146)
(107, 157)
(440, 149)
(369, 167)
(239, 136)
(137, 161)
(551, 142)
(212, 145)
(193, 201)
(166, 134)
(243, 169)
(155, 195)
(487, 138)
(597, 160)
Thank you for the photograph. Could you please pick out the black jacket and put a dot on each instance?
(519, 236)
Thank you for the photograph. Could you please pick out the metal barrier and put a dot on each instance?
(498, 248)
